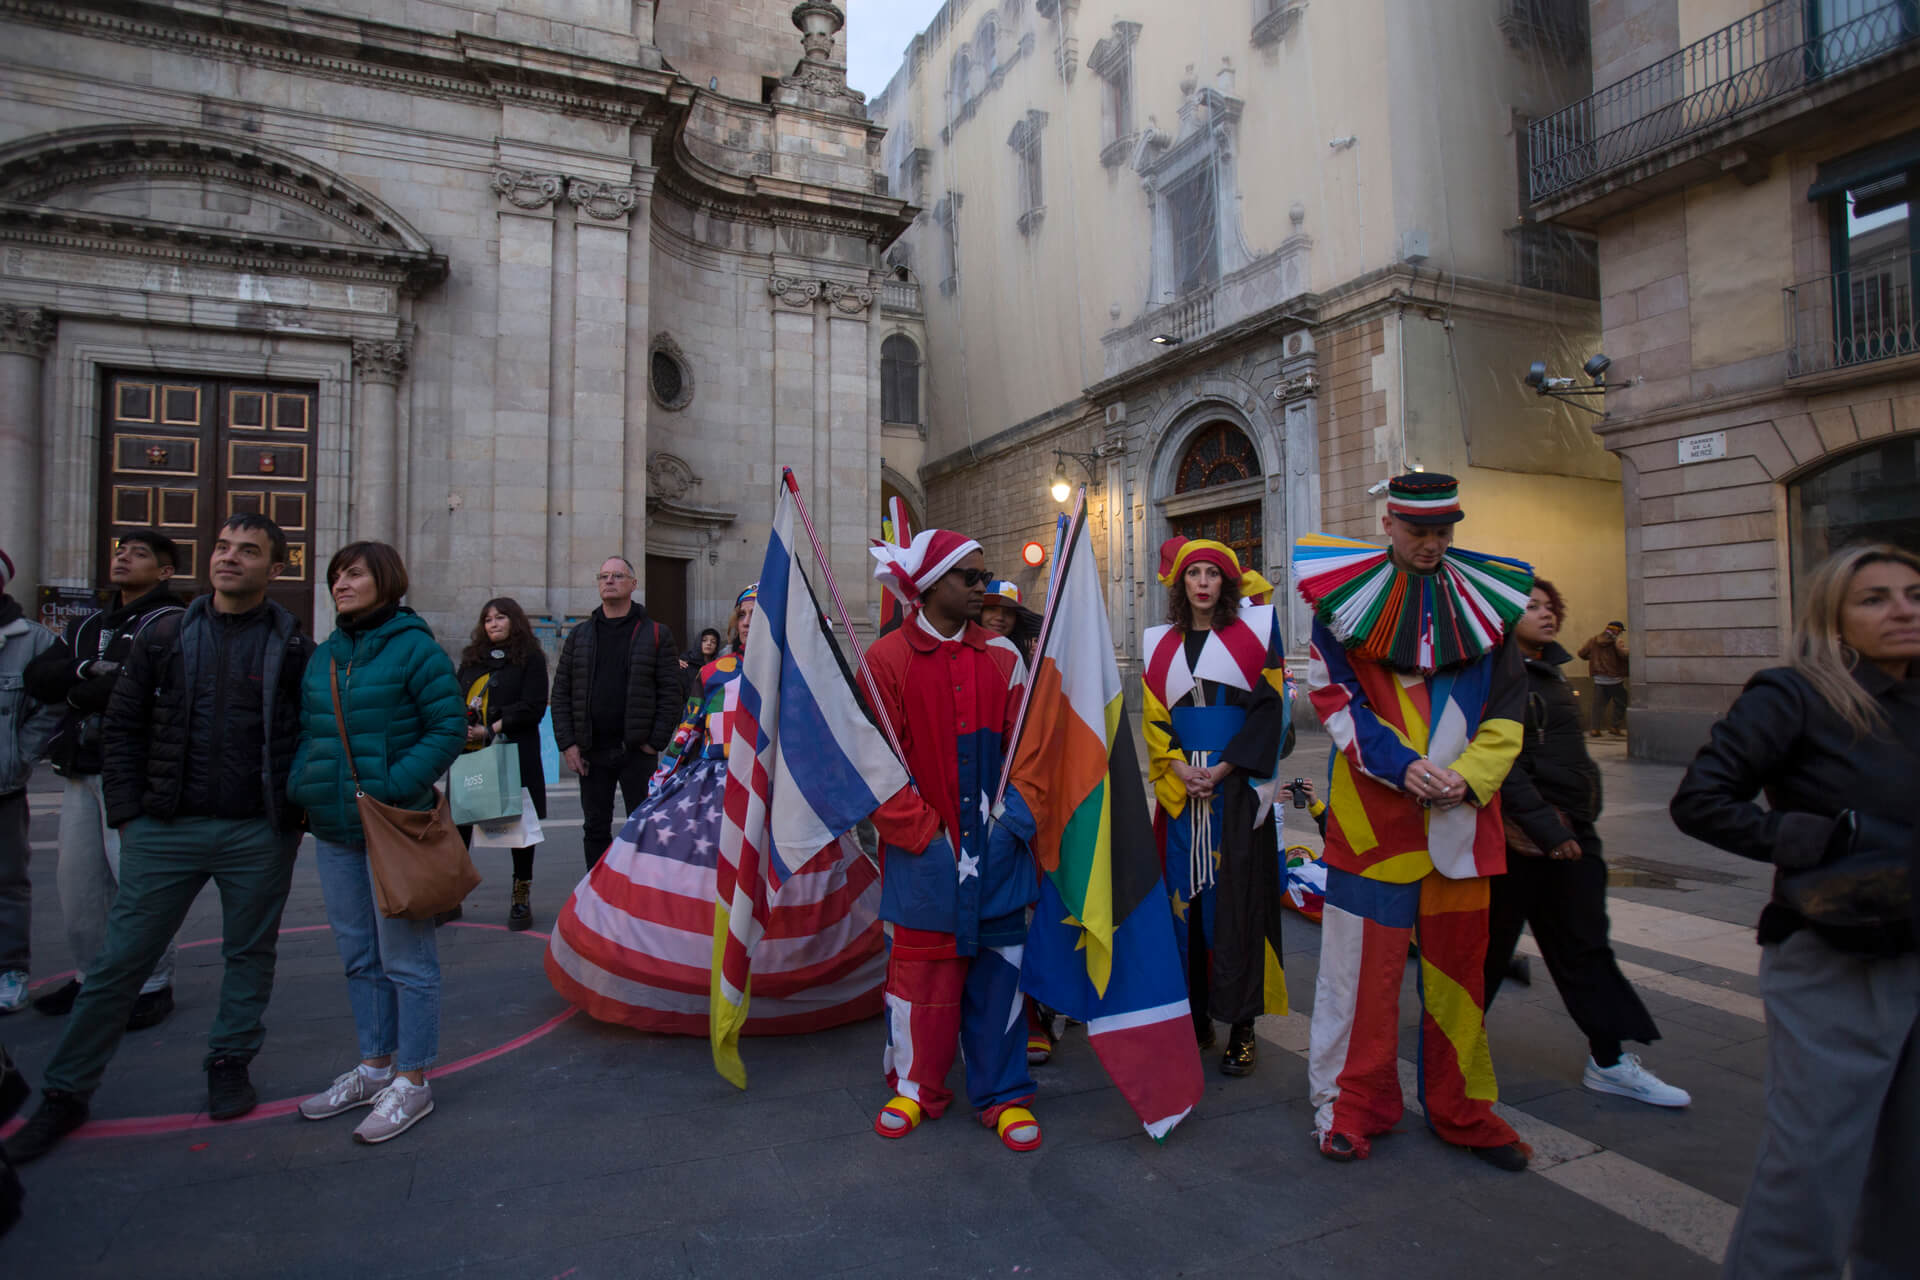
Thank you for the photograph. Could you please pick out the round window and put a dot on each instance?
(669, 380)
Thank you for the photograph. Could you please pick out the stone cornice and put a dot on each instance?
(336, 46)
(780, 201)
(25, 331)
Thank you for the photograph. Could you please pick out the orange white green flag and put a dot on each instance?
(1101, 947)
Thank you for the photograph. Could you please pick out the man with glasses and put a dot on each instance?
(616, 699)
(955, 884)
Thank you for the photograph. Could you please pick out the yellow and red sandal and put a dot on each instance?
(1014, 1118)
(904, 1107)
(1039, 1048)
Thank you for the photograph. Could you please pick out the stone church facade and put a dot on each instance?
(512, 284)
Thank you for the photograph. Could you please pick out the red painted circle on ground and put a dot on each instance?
(147, 1126)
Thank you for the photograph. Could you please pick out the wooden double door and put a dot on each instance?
(181, 455)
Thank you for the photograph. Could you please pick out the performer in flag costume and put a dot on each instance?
(957, 881)
(1217, 723)
(1423, 698)
(634, 943)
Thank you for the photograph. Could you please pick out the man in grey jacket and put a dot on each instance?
(25, 726)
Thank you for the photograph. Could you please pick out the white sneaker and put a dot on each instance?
(1631, 1080)
(13, 990)
(351, 1090)
(396, 1109)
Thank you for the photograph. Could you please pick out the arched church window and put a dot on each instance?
(1868, 495)
(900, 380)
(1220, 454)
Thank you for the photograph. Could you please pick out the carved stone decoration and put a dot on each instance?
(602, 200)
(669, 477)
(792, 292)
(381, 360)
(817, 75)
(26, 331)
(849, 299)
(525, 190)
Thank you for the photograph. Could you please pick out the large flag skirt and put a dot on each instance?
(634, 944)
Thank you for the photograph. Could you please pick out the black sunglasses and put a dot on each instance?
(974, 577)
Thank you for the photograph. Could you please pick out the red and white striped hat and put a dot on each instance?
(909, 570)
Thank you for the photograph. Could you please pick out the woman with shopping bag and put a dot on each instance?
(503, 677)
(380, 721)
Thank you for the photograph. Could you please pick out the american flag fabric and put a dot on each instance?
(634, 944)
(806, 767)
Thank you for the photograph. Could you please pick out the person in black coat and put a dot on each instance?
(1834, 743)
(503, 677)
(1556, 880)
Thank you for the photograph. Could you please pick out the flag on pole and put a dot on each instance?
(1101, 948)
(805, 766)
(897, 529)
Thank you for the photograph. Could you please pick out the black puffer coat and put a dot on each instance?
(654, 686)
(80, 676)
(516, 699)
(1553, 790)
(1780, 736)
(151, 722)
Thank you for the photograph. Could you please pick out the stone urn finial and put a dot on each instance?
(819, 21)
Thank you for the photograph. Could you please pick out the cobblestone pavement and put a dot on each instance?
(592, 1151)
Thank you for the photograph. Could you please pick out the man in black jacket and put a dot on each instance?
(200, 733)
(616, 699)
(79, 674)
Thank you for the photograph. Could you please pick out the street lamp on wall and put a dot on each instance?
(1565, 389)
(1062, 487)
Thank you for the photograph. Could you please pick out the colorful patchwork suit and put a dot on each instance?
(1397, 872)
(959, 918)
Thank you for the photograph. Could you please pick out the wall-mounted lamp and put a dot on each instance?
(1341, 144)
(1566, 389)
(1062, 488)
(1165, 340)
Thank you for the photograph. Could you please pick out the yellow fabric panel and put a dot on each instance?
(1161, 757)
(1348, 811)
(1276, 986)
(1402, 868)
(1487, 759)
(1417, 729)
(1464, 1025)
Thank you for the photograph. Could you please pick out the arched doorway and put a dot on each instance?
(1219, 456)
(1867, 495)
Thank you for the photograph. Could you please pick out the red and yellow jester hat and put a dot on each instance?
(1176, 553)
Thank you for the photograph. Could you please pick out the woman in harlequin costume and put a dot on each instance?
(1217, 724)
(634, 943)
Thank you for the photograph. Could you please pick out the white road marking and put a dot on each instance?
(1691, 1218)
(1691, 937)
(1738, 1003)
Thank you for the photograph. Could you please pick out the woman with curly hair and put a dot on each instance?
(1217, 724)
(503, 677)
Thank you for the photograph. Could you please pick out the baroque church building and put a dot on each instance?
(515, 285)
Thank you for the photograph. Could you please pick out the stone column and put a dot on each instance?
(852, 435)
(528, 446)
(604, 466)
(25, 335)
(639, 333)
(794, 303)
(378, 364)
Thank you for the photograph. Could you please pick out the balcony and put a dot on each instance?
(1852, 318)
(902, 297)
(1770, 65)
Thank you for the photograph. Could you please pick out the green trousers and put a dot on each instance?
(163, 866)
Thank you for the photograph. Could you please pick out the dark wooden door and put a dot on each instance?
(1238, 526)
(666, 597)
(182, 454)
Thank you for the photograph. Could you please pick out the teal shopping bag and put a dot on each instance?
(484, 785)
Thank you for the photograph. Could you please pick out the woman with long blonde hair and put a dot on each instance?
(1834, 742)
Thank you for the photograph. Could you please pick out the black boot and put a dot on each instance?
(150, 1009)
(230, 1093)
(520, 914)
(58, 1115)
(58, 1003)
(1239, 1057)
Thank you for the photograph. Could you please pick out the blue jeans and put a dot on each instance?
(393, 966)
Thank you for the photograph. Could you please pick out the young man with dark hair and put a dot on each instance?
(200, 733)
(616, 700)
(25, 725)
(79, 674)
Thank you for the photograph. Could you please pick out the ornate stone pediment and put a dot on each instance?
(670, 502)
(191, 193)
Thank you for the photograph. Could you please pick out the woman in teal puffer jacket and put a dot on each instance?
(405, 723)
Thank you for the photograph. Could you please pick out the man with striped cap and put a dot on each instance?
(955, 884)
(1413, 676)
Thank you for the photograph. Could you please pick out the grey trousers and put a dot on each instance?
(1838, 1179)
(16, 888)
(88, 875)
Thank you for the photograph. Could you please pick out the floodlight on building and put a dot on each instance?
(1165, 340)
(1596, 368)
(1565, 389)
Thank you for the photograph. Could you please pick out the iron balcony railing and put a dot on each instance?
(1769, 54)
(1853, 317)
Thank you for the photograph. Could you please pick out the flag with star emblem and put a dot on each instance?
(1101, 947)
(805, 766)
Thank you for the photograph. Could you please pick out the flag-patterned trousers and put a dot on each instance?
(1353, 1068)
(937, 1003)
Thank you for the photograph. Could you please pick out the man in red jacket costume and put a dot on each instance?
(956, 883)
